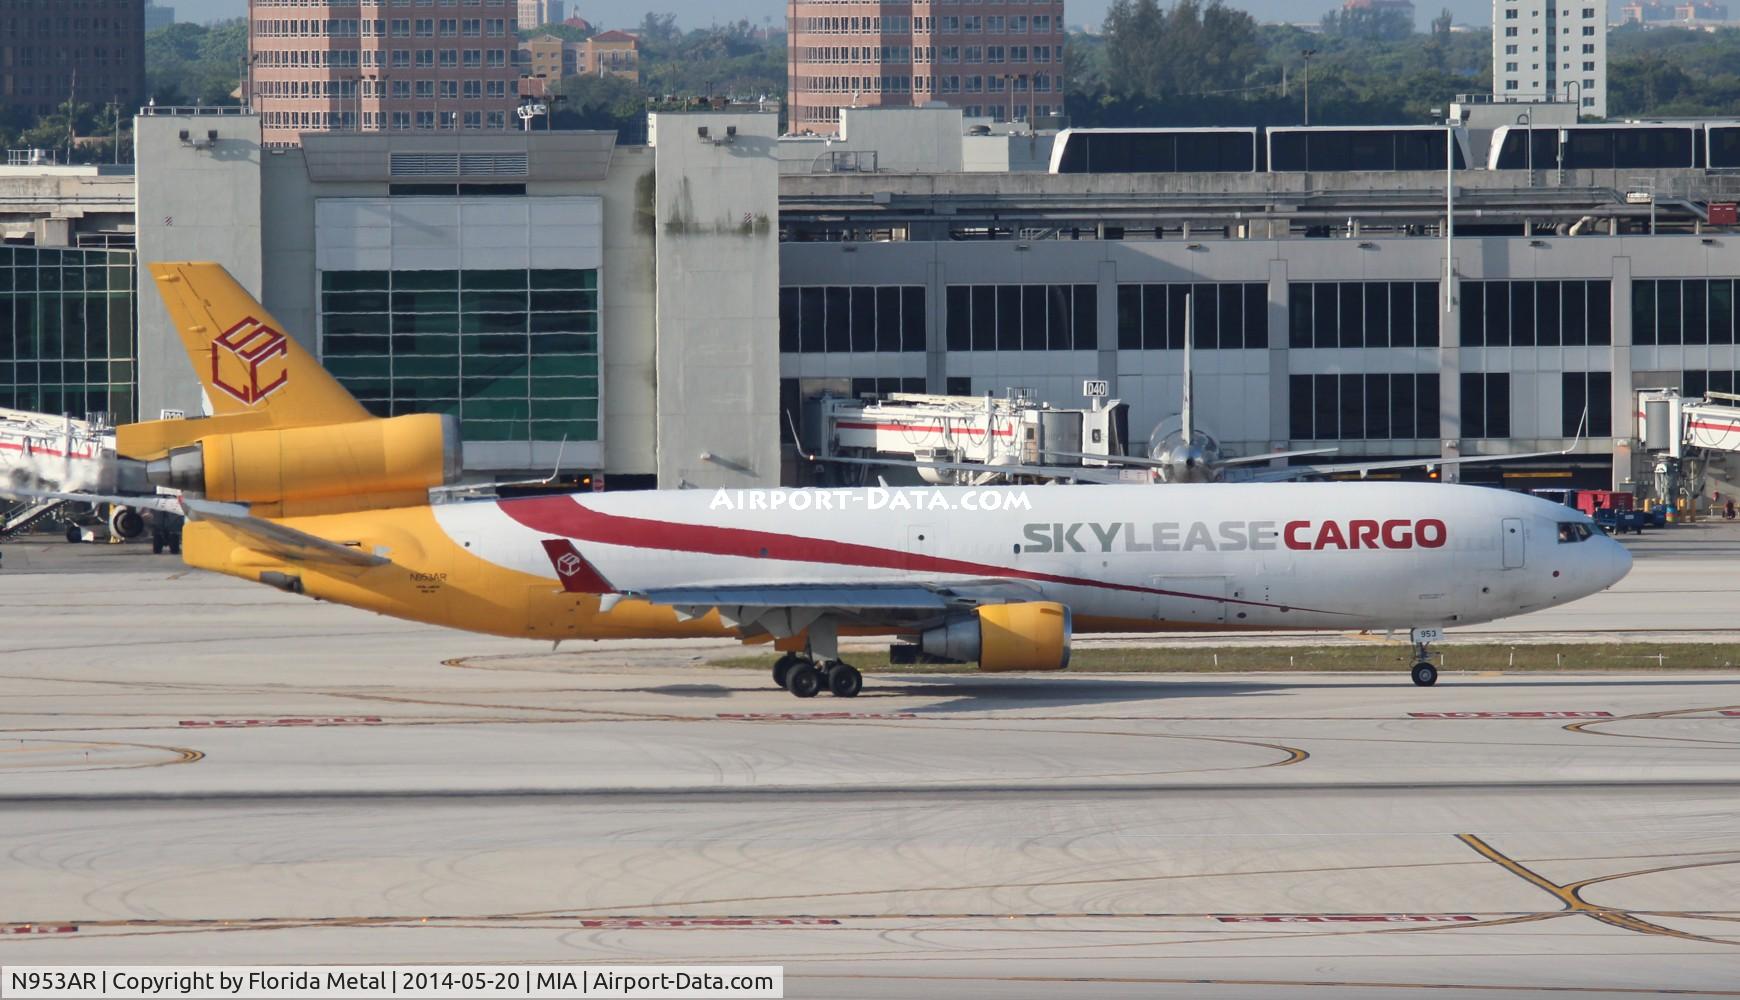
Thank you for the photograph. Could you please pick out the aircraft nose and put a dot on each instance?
(1615, 561)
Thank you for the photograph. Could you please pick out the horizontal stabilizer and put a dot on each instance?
(274, 539)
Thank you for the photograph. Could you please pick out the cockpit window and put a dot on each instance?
(1573, 531)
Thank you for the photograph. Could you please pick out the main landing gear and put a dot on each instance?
(1425, 674)
(805, 678)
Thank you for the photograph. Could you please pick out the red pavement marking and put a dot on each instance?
(806, 717)
(38, 928)
(709, 922)
(1510, 715)
(337, 720)
(1349, 918)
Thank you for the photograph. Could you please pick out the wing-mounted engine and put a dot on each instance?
(1032, 635)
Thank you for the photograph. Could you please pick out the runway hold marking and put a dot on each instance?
(1570, 893)
(1510, 715)
(1346, 918)
(675, 923)
(39, 928)
(811, 716)
(337, 720)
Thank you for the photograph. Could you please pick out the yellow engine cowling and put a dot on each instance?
(1003, 637)
(298, 471)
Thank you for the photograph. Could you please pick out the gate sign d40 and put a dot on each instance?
(1096, 388)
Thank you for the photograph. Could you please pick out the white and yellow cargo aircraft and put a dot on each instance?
(291, 483)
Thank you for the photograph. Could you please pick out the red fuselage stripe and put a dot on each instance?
(561, 515)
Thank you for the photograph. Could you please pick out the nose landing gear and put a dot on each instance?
(1424, 673)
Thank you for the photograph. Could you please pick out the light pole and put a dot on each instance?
(1579, 99)
(1308, 53)
(1528, 119)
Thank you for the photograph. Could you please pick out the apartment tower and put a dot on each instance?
(382, 65)
(1551, 49)
(52, 51)
(1000, 59)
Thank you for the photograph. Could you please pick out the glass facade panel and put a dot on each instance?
(1373, 407)
(848, 318)
(1021, 318)
(1228, 316)
(1693, 311)
(67, 331)
(493, 347)
(1355, 314)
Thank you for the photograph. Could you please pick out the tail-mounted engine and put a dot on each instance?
(317, 470)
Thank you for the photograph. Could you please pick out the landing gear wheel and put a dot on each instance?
(782, 668)
(803, 680)
(1425, 675)
(845, 681)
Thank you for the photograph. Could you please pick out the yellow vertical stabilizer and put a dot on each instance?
(255, 374)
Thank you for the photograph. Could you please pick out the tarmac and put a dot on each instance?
(195, 770)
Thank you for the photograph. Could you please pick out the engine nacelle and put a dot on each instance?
(314, 470)
(125, 522)
(1000, 637)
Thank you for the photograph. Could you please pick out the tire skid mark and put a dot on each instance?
(1585, 728)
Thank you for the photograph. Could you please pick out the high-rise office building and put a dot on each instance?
(158, 16)
(1000, 60)
(1551, 49)
(52, 51)
(537, 13)
(381, 65)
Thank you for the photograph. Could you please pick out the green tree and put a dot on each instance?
(194, 63)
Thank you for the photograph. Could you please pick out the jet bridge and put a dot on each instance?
(977, 430)
(1684, 435)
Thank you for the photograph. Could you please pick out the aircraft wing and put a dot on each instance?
(279, 540)
(785, 608)
(1362, 468)
(151, 501)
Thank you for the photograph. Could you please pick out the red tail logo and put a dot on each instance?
(249, 361)
(577, 575)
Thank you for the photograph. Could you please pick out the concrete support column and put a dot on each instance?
(1450, 367)
(936, 331)
(1624, 420)
(1107, 333)
(1280, 384)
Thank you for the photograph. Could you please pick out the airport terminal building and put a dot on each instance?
(651, 312)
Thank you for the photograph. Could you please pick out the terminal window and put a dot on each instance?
(1362, 407)
(1324, 314)
(1591, 393)
(1023, 317)
(851, 319)
(1696, 382)
(512, 353)
(1486, 404)
(67, 331)
(1684, 311)
(1536, 314)
(1230, 316)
